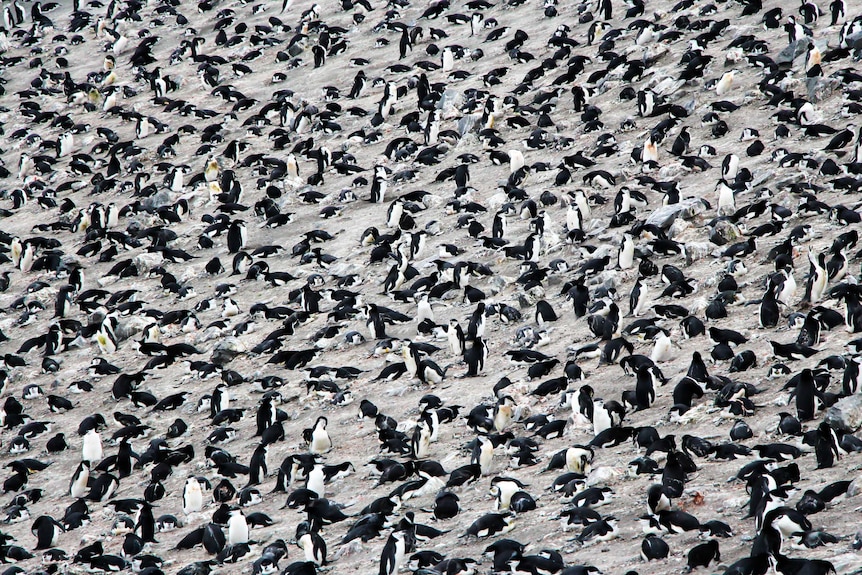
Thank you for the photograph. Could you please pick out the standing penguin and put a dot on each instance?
(142, 128)
(317, 437)
(807, 401)
(476, 327)
(359, 83)
(393, 553)
(193, 499)
(638, 297)
(818, 277)
(258, 466)
(236, 236)
(311, 543)
(374, 323)
(475, 357)
(91, 450)
(237, 528)
(455, 335)
(78, 484)
(483, 454)
(626, 252)
(769, 312)
(378, 185)
(105, 337)
(315, 480)
(420, 443)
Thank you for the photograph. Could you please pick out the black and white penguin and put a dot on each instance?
(91, 450)
(375, 325)
(476, 327)
(483, 454)
(769, 312)
(312, 544)
(393, 554)
(502, 489)
(807, 402)
(47, 531)
(379, 184)
(78, 483)
(826, 446)
(654, 548)
(702, 555)
(491, 524)
(238, 529)
(455, 337)
(475, 357)
(317, 437)
(236, 236)
(192, 496)
(258, 467)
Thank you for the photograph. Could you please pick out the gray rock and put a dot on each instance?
(790, 53)
(158, 200)
(227, 350)
(855, 487)
(664, 216)
(696, 251)
(724, 232)
(846, 414)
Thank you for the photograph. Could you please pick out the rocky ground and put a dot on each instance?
(35, 61)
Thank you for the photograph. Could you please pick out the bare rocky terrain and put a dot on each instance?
(224, 99)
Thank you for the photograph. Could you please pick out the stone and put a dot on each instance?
(846, 414)
(664, 216)
(724, 232)
(227, 350)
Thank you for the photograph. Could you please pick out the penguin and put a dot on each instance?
(483, 454)
(379, 185)
(56, 444)
(807, 402)
(192, 496)
(315, 480)
(360, 81)
(318, 438)
(238, 529)
(103, 487)
(503, 488)
(312, 544)
(393, 554)
(818, 277)
(258, 465)
(91, 451)
(826, 446)
(654, 548)
(702, 555)
(143, 127)
(78, 483)
(729, 167)
(491, 524)
(455, 338)
(769, 312)
(638, 297)
(725, 83)
(420, 443)
(446, 505)
(476, 326)
(47, 531)
(625, 259)
(374, 323)
(475, 357)
(545, 313)
(65, 144)
(236, 236)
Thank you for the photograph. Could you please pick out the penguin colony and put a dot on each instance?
(479, 287)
